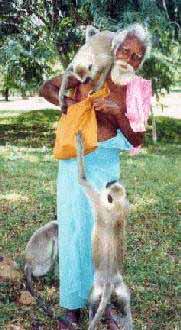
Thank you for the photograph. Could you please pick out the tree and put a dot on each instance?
(34, 35)
(26, 58)
(56, 26)
(61, 21)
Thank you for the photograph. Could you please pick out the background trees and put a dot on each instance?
(36, 34)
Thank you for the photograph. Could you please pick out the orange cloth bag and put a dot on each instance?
(80, 117)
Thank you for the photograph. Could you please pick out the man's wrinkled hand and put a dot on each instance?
(106, 106)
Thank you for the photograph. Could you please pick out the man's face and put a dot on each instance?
(131, 51)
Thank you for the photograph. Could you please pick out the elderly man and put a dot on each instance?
(121, 119)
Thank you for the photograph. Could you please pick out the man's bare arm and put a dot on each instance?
(50, 89)
(135, 138)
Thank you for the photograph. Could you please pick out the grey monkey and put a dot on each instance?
(111, 208)
(40, 255)
(94, 58)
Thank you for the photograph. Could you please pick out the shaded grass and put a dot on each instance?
(37, 128)
(31, 129)
(28, 200)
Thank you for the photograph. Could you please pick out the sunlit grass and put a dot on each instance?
(13, 197)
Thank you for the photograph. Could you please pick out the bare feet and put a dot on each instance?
(71, 320)
(110, 319)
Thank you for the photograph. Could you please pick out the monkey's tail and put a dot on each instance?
(28, 275)
(102, 306)
(40, 301)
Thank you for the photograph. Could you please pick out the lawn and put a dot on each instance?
(28, 200)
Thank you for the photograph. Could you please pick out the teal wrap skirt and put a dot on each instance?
(75, 217)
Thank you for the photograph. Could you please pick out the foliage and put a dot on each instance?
(50, 31)
(24, 65)
(38, 31)
(60, 21)
(114, 14)
(26, 58)
(9, 23)
(168, 130)
(28, 199)
(160, 71)
(162, 66)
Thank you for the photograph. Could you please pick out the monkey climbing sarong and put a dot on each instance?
(76, 219)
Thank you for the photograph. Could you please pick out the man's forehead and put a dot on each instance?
(134, 43)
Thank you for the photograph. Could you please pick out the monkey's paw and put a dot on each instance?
(63, 108)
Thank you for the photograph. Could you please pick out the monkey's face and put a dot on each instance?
(84, 67)
(114, 197)
(83, 73)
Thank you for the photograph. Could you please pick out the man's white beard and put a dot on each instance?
(121, 75)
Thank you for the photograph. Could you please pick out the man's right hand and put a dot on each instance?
(50, 90)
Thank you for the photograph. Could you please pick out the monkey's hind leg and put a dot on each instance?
(105, 292)
(40, 301)
(122, 301)
(80, 157)
(28, 274)
(63, 88)
(94, 301)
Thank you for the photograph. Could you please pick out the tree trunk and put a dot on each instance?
(6, 94)
(165, 9)
(154, 131)
(65, 60)
(23, 94)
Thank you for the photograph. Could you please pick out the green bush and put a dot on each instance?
(168, 130)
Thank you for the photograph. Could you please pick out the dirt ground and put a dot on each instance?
(171, 105)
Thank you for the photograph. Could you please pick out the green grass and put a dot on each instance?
(28, 200)
(28, 129)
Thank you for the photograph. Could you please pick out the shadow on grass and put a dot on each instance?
(36, 129)
(32, 129)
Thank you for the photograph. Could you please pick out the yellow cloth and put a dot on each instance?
(80, 117)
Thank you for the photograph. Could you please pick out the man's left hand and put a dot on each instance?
(106, 106)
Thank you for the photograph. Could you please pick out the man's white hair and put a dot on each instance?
(134, 30)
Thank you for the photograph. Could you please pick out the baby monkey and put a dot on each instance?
(94, 58)
(40, 255)
(111, 209)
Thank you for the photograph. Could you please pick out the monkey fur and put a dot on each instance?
(94, 58)
(111, 208)
(40, 255)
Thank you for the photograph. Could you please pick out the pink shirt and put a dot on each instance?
(138, 101)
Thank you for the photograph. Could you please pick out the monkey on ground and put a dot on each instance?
(111, 208)
(40, 255)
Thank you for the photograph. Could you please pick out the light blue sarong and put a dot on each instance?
(75, 218)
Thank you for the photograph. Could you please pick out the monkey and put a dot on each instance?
(42, 249)
(94, 58)
(40, 255)
(111, 209)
